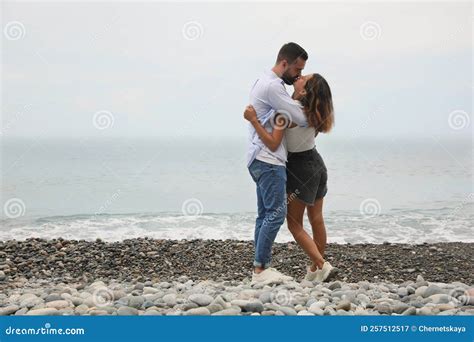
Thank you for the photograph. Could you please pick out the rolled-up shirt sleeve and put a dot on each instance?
(282, 103)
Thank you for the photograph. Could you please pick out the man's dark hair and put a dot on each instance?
(291, 52)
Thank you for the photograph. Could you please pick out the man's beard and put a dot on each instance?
(288, 79)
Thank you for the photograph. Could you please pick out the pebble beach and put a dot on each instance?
(213, 277)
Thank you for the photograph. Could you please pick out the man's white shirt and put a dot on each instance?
(269, 96)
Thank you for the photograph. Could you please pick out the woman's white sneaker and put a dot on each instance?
(326, 273)
(310, 275)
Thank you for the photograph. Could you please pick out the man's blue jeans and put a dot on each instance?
(271, 202)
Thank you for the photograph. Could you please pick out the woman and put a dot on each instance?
(306, 171)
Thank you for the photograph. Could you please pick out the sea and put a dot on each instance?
(380, 190)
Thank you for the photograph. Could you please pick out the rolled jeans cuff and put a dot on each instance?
(261, 265)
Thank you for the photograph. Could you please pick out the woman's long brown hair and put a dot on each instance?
(318, 104)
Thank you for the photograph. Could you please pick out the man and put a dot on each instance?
(267, 168)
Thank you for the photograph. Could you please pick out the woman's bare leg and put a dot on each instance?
(295, 225)
(315, 216)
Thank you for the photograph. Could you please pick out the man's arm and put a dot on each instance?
(282, 103)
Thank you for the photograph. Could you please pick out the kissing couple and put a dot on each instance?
(289, 173)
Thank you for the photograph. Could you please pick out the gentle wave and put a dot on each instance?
(396, 226)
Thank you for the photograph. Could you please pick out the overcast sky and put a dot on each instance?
(161, 69)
